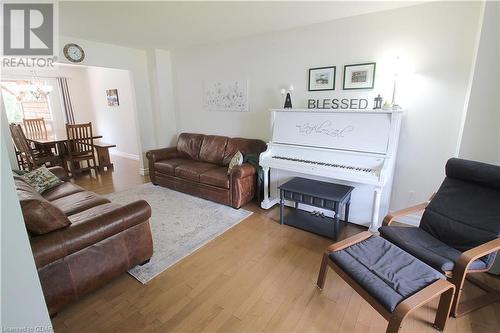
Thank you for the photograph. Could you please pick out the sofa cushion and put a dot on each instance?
(245, 146)
(77, 202)
(62, 190)
(420, 244)
(168, 166)
(216, 177)
(213, 148)
(387, 273)
(40, 216)
(93, 212)
(188, 145)
(193, 170)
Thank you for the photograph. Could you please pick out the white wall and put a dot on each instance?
(481, 132)
(162, 95)
(117, 124)
(436, 38)
(22, 304)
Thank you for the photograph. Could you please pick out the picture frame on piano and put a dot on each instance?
(322, 78)
(359, 76)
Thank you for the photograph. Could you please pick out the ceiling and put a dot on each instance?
(174, 25)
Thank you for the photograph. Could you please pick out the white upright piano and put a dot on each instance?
(352, 147)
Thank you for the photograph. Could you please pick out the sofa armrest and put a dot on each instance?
(161, 154)
(59, 172)
(63, 242)
(242, 171)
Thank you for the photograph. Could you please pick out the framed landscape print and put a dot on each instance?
(359, 76)
(322, 78)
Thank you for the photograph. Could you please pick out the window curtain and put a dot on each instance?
(66, 100)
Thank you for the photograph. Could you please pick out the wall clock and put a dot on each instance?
(73, 52)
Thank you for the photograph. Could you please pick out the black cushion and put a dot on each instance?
(432, 251)
(482, 174)
(386, 272)
(465, 212)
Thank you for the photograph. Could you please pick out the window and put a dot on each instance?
(27, 99)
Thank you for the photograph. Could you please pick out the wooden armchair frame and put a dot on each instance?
(459, 273)
(403, 309)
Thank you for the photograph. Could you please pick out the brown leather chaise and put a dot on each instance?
(80, 240)
(198, 166)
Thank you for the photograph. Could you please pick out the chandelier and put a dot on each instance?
(36, 89)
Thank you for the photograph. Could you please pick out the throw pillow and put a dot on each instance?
(235, 161)
(42, 179)
(20, 172)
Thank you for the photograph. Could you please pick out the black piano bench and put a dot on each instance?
(395, 284)
(319, 194)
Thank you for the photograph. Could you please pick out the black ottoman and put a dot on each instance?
(391, 280)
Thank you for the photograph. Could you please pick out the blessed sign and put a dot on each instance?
(335, 103)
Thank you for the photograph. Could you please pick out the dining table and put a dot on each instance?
(57, 140)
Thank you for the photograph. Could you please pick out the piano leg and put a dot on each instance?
(376, 209)
(265, 203)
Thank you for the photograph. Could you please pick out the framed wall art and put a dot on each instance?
(359, 76)
(112, 97)
(322, 78)
(226, 96)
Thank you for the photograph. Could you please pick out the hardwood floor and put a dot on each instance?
(257, 277)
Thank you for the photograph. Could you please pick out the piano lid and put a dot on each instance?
(362, 131)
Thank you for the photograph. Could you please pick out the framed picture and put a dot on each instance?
(112, 97)
(359, 76)
(322, 78)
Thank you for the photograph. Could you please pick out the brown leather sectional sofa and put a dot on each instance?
(198, 165)
(81, 240)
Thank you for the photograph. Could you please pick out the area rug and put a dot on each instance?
(180, 224)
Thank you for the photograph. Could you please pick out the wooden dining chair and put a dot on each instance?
(31, 159)
(80, 147)
(35, 128)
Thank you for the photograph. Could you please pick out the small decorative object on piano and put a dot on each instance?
(387, 105)
(377, 102)
(288, 99)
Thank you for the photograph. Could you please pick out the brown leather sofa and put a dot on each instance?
(198, 166)
(81, 240)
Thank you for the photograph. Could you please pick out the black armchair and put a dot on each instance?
(459, 232)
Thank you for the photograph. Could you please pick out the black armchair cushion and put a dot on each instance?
(465, 212)
(482, 174)
(422, 245)
(386, 272)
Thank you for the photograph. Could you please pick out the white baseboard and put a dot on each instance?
(412, 219)
(144, 171)
(126, 155)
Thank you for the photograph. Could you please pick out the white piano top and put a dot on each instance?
(378, 111)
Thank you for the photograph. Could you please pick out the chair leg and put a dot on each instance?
(394, 324)
(322, 272)
(460, 309)
(444, 307)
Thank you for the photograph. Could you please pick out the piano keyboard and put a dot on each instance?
(333, 165)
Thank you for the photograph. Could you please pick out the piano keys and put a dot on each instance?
(351, 147)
